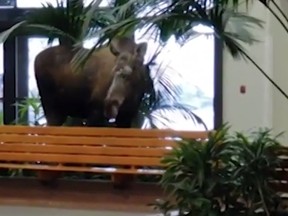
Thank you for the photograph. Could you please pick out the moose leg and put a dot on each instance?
(122, 181)
(54, 117)
(49, 178)
(124, 120)
(96, 119)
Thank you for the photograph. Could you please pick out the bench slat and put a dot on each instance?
(66, 158)
(81, 140)
(82, 169)
(83, 150)
(111, 132)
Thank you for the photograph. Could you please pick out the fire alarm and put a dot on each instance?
(242, 89)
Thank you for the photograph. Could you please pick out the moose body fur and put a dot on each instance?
(111, 84)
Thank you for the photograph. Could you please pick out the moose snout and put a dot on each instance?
(111, 108)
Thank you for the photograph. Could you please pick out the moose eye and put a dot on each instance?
(125, 73)
(122, 75)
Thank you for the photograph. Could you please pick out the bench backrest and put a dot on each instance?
(281, 183)
(92, 146)
(98, 147)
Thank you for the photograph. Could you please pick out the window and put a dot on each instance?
(7, 4)
(102, 4)
(191, 65)
(192, 68)
(35, 3)
(35, 112)
(38, 3)
(35, 46)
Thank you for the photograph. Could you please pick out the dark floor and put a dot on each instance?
(27, 197)
(42, 211)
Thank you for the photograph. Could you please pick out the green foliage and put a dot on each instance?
(1, 118)
(160, 100)
(32, 103)
(223, 175)
(71, 24)
(177, 18)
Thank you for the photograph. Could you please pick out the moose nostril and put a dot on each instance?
(111, 108)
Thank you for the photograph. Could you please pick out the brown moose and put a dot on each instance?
(110, 85)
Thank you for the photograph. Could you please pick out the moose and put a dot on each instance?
(109, 86)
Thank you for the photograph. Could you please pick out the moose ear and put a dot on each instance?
(141, 49)
(114, 46)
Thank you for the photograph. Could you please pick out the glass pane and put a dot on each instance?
(38, 3)
(35, 4)
(35, 46)
(7, 3)
(191, 68)
(104, 3)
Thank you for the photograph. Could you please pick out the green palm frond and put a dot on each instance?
(165, 85)
(159, 116)
(24, 28)
(178, 18)
(69, 23)
(9, 32)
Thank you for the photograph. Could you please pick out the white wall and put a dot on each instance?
(262, 105)
(244, 111)
(280, 72)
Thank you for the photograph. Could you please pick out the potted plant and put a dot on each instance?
(223, 175)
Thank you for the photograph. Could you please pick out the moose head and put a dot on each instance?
(128, 84)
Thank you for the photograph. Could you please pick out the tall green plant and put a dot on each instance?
(256, 157)
(223, 175)
(177, 18)
(23, 107)
(66, 23)
(1, 118)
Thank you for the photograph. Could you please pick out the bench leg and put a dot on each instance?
(122, 181)
(48, 178)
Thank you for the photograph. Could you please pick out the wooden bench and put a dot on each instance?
(120, 152)
(281, 181)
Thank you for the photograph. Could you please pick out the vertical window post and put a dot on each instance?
(21, 75)
(218, 83)
(9, 91)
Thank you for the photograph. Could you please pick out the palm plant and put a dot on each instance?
(177, 18)
(24, 107)
(1, 118)
(223, 175)
(62, 22)
(161, 102)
